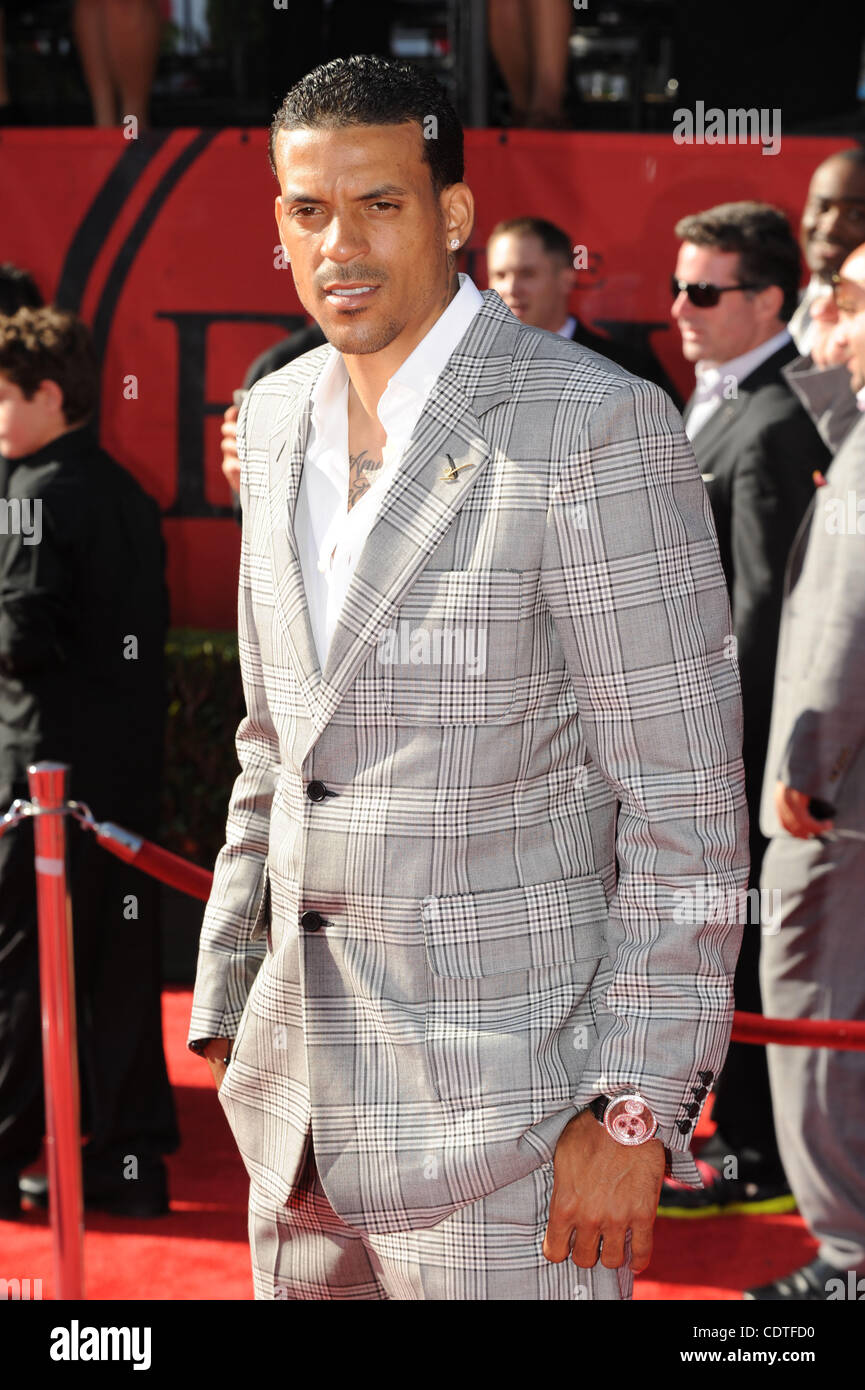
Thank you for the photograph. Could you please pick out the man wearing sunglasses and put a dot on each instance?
(814, 810)
(734, 288)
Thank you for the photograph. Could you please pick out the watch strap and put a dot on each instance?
(598, 1106)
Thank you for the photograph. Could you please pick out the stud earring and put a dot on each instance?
(455, 241)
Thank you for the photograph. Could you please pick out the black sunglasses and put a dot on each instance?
(702, 294)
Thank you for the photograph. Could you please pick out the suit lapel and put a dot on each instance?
(287, 446)
(418, 507)
(729, 412)
(715, 432)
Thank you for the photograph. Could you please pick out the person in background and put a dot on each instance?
(734, 289)
(529, 40)
(286, 350)
(530, 264)
(83, 614)
(18, 289)
(814, 810)
(833, 224)
(118, 41)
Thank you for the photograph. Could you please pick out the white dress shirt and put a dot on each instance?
(567, 328)
(330, 538)
(713, 382)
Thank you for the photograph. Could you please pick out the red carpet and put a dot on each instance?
(200, 1250)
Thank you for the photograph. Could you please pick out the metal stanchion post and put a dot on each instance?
(47, 782)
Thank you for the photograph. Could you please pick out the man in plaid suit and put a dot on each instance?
(491, 756)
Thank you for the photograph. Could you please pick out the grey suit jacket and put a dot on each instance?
(529, 724)
(817, 739)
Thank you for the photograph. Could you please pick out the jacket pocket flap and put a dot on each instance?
(471, 935)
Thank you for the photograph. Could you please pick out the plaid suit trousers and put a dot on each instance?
(490, 1249)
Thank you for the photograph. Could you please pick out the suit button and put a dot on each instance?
(311, 921)
(683, 1126)
(706, 1077)
(316, 791)
(699, 1092)
(693, 1109)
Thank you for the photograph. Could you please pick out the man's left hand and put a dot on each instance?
(602, 1190)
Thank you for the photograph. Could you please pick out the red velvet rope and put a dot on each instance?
(800, 1032)
(159, 863)
(839, 1034)
(171, 869)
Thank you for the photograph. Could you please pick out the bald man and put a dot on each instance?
(832, 226)
(814, 811)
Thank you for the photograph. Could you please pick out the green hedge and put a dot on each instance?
(205, 706)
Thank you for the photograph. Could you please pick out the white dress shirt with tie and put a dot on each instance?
(330, 538)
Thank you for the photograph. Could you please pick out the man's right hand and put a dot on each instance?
(215, 1053)
(230, 461)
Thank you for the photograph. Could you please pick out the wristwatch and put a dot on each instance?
(626, 1118)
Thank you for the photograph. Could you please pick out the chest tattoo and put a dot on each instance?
(361, 471)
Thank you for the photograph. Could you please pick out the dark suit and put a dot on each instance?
(283, 352)
(295, 345)
(74, 688)
(757, 453)
(639, 363)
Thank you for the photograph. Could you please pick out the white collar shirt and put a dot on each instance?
(718, 382)
(330, 537)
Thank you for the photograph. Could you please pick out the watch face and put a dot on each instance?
(629, 1120)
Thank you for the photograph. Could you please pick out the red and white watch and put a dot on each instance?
(626, 1118)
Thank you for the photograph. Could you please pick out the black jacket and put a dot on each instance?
(283, 352)
(758, 453)
(83, 617)
(638, 363)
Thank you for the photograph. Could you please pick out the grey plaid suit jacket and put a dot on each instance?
(529, 722)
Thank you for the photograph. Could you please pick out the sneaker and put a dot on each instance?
(805, 1285)
(722, 1196)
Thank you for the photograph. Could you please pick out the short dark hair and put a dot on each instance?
(367, 90)
(18, 289)
(764, 239)
(856, 155)
(51, 344)
(554, 241)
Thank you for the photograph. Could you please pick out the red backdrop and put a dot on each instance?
(165, 245)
